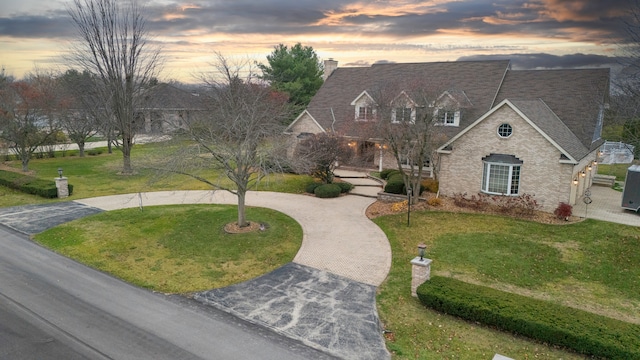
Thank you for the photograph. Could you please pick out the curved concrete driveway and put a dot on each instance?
(337, 235)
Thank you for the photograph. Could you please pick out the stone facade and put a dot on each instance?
(542, 174)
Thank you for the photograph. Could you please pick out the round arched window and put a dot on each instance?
(505, 130)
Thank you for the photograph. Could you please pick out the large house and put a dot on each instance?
(504, 132)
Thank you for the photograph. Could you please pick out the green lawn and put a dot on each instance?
(98, 175)
(618, 170)
(591, 265)
(178, 249)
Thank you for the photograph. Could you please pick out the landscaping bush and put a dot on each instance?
(94, 152)
(430, 185)
(386, 173)
(522, 205)
(579, 330)
(328, 191)
(563, 211)
(345, 187)
(311, 188)
(434, 201)
(394, 186)
(30, 185)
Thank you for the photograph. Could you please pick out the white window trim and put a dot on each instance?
(486, 171)
(369, 115)
(456, 117)
(412, 117)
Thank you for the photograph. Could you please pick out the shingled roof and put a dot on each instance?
(576, 96)
(168, 97)
(479, 80)
(565, 104)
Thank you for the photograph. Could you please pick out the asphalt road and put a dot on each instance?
(54, 308)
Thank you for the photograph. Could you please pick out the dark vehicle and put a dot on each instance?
(631, 194)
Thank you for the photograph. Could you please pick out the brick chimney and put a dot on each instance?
(329, 66)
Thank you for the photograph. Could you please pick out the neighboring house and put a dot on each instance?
(508, 132)
(165, 108)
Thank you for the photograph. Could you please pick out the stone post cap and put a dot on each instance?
(423, 262)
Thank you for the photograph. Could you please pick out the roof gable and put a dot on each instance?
(575, 95)
(300, 118)
(537, 114)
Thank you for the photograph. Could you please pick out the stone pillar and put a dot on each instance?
(62, 184)
(420, 272)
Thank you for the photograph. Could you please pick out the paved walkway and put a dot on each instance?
(325, 298)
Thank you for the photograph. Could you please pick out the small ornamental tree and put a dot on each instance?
(320, 154)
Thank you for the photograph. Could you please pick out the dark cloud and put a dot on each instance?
(583, 20)
(549, 61)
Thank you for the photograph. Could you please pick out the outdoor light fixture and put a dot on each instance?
(421, 250)
(589, 167)
(583, 174)
(60, 172)
(595, 162)
(575, 181)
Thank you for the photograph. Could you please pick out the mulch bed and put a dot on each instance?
(380, 208)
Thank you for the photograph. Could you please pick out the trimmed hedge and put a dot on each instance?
(30, 185)
(386, 173)
(345, 187)
(575, 329)
(328, 191)
(311, 188)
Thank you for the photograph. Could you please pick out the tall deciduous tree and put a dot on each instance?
(624, 115)
(82, 117)
(296, 71)
(113, 44)
(239, 133)
(408, 119)
(27, 110)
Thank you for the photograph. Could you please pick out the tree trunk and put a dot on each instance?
(127, 143)
(242, 220)
(25, 162)
(81, 148)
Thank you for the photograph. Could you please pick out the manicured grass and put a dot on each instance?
(98, 176)
(178, 249)
(618, 170)
(591, 265)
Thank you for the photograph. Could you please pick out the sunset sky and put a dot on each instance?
(533, 33)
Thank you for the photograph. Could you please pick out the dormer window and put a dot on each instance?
(448, 117)
(403, 115)
(364, 107)
(365, 113)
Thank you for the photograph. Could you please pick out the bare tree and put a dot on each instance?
(113, 44)
(81, 118)
(623, 118)
(239, 133)
(27, 110)
(409, 122)
(320, 154)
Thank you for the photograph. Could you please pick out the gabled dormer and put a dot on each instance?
(364, 106)
(448, 106)
(403, 109)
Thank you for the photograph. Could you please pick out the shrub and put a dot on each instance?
(563, 211)
(394, 187)
(30, 185)
(430, 185)
(325, 191)
(345, 187)
(579, 330)
(311, 188)
(94, 152)
(434, 201)
(522, 205)
(384, 174)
